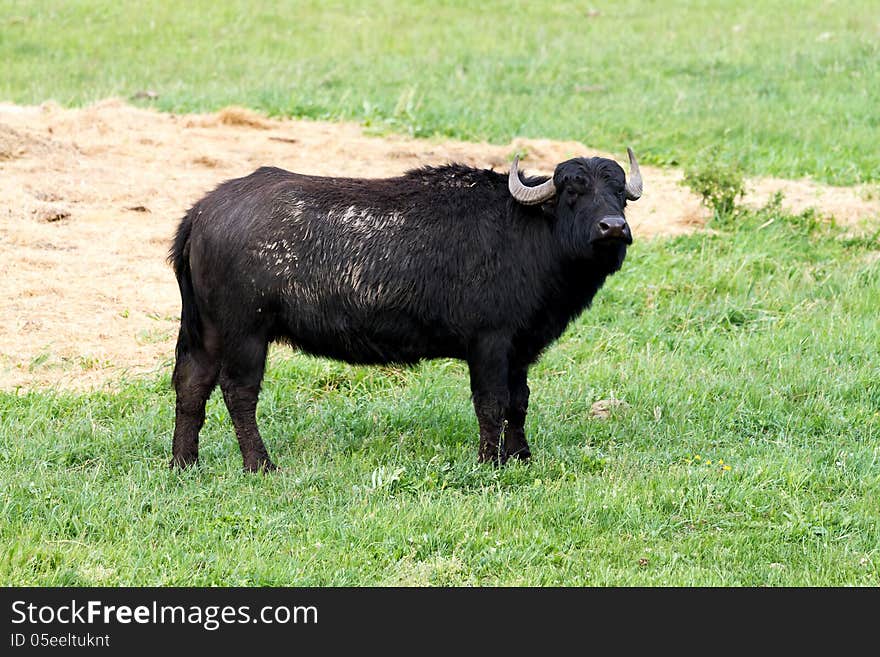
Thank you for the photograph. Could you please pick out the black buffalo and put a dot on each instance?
(442, 262)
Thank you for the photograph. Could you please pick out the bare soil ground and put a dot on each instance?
(89, 199)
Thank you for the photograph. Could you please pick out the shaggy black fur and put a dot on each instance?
(438, 263)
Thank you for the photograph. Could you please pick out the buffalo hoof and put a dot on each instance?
(262, 465)
(184, 461)
(516, 447)
(522, 454)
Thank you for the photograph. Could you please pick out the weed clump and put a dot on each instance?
(719, 186)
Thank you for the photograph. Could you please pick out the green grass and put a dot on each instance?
(755, 345)
(789, 87)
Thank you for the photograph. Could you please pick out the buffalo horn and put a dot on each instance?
(529, 195)
(634, 184)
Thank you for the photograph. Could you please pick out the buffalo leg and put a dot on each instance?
(240, 379)
(487, 362)
(195, 375)
(515, 444)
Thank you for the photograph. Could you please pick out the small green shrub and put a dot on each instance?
(718, 185)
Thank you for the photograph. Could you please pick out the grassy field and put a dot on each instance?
(748, 357)
(748, 452)
(788, 87)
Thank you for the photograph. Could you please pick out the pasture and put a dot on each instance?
(739, 358)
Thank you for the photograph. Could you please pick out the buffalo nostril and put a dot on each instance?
(612, 227)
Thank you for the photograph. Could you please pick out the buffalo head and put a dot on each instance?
(587, 196)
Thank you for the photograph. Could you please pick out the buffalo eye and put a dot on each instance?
(571, 195)
(576, 185)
